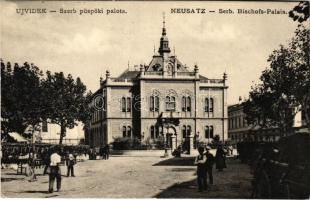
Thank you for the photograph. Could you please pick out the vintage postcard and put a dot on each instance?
(155, 99)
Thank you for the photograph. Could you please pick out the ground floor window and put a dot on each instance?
(209, 132)
(155, 131)
(127, 131)
(186, 131)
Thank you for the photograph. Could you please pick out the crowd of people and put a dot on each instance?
(53, 157)
(205, 161)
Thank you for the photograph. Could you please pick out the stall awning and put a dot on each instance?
(18, 137)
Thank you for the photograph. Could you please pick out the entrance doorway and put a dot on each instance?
(170, 133)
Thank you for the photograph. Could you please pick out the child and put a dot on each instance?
(200, 161)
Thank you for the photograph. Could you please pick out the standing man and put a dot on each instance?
(70, 165)
(31, 163)
(107, 152)
(200, 161)
(46, 160)
(209, 164)
(220, 158)
(55, 170)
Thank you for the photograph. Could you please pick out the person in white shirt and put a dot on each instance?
(55, 172)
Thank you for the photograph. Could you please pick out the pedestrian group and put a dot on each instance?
(205, 161)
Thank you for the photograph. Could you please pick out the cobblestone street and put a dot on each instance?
(129, 177)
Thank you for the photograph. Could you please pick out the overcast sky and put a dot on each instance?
(86, 46)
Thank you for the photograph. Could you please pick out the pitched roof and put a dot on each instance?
(203, 77)
(128, 75)
(156, 64)
(17, 137)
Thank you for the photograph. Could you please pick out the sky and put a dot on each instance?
(88, 45)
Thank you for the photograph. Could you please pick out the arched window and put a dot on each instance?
(128, 104)
(206, 105)
(128, 131)
(207, 135)
(152, 103)
(170, 103)
(156, 103)
(211, 131)
(188, 131)
(152, 132)
(184, 131)
(156, 131)
(124, 131)
(188, 104)
(184, 104)
(211, 105)
(123, 104)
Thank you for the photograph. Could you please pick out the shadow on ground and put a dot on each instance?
(183, 161)
(10, 179)
(36, 191)
(232, 183)
(189, 190)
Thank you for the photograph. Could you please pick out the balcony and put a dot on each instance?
(171, 114)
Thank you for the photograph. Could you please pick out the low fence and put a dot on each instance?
(64, 141)
(15, 152)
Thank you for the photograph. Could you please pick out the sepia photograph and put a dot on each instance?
(155, 99)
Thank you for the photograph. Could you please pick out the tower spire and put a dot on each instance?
(164, 25)
(164, 20)
(164, 43)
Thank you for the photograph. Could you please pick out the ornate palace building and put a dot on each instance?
(164, 100)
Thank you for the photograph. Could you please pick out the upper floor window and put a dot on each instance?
(126, 104)
(170, 103)
(123, 104)
(209, 132)
(154, 103)
(209, 105)
(186, 104)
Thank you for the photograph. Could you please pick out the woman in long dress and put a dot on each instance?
(220, 158)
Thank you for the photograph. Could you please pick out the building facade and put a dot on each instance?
(239, 130)
(47, 132)
(163, 100)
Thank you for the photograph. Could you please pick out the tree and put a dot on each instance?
(66, 101)
(300, 12)
(22, 103)
(284, 90)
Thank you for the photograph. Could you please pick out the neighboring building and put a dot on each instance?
(50, 133)
(163, 100)
(239, 130)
